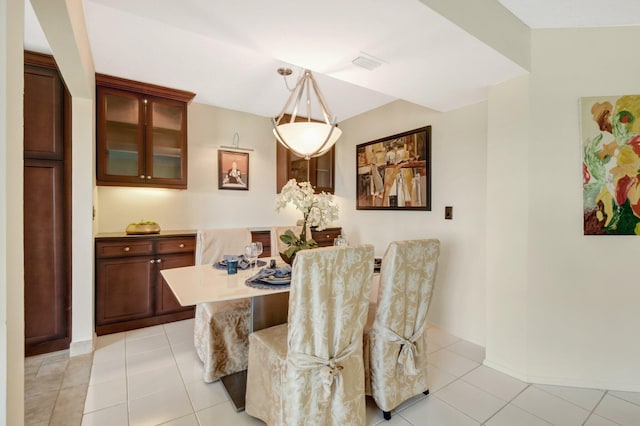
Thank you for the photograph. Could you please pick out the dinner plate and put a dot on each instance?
(276, 281)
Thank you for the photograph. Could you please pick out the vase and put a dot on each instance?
(288, 259)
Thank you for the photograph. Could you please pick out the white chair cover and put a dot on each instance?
(310, 371)
(395, 343)
(221, 329)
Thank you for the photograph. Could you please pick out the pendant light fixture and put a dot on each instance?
(305, 138)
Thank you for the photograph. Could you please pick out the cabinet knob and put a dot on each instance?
(181, 246)
(148, 177)
(159, 261)
(126, 249)
(328, 236)
(142, 176)
(152, 261)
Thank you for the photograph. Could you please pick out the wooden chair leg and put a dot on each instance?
(386, 415)
(426, 392)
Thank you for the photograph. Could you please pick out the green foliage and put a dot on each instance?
(295, 243)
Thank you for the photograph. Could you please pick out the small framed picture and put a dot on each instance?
(233, 170)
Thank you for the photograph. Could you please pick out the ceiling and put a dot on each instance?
(227, 52)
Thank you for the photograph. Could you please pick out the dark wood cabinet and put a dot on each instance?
(47, 208)
(320, 169)
(325, 237)
(130, 291)
(141, 134)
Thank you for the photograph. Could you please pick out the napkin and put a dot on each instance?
(243, 261)
(280, 272)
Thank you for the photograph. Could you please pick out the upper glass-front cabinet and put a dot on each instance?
(142, 137)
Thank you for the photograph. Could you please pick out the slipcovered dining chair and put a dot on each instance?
(395, 338)
(310, 371)
(221, 329)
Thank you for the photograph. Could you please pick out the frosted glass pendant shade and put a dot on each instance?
(307, 139)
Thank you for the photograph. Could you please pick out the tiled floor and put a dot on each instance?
(152, 377)
(55, 387)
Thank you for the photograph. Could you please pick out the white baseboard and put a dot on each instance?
(82, 347)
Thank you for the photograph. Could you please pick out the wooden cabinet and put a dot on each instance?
(141, 134)
(47, 208)
(320, 169)
(325, 237)
(130, 291)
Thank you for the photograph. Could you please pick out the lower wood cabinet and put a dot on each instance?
(130, 291)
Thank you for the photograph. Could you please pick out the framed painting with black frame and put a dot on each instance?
(233, 170)
(394, 173)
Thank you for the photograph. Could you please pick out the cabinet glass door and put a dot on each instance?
(123, 135)
(167, 134)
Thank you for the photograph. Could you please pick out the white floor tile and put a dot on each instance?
(551, 408)
(144, 332)
(512, 416)
(106, 394)
(159, 407)
(192, 370)
(224, 414)
(433, 411)
(180, 327)
(109, 339)
(627, 396)
(585, 398)
(396, 420)
(108, 371)
(451, 362)
(151, 381)
(189, 420)
(496, 383)
(472, 401)
(438, 378)
(619, 411)
(468, 350)
(111, 350)
(596, 420)
(204, 395)
(150, 360)
(116, 415)
(440, 337)
(146, 343)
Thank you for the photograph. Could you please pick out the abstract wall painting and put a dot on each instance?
(610, 135)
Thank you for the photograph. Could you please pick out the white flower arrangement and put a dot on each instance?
(318, 210)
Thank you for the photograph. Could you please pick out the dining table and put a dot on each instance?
(269, 304)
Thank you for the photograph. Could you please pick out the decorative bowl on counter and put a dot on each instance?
(143, 227)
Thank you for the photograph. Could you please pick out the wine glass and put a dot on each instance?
(248, 253)
(340, 241)
(257, 250)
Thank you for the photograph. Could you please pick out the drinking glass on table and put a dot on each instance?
(257, 251)
(252, 251)
(341, 240)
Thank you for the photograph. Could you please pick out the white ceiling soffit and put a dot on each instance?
(575, 13)
(34, 38)
(228, 51)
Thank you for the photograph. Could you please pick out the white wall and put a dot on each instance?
(458, 180)
(11, 235)
(64, 26)
(582, 292)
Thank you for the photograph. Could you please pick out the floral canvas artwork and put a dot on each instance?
(611, 165)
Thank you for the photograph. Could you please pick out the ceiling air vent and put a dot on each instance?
(366, 62)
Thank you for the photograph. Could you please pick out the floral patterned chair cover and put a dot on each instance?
(395, 338)
(310, 371)
(221, 329)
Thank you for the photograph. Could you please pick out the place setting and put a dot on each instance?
(231, 263)
(271, 277)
